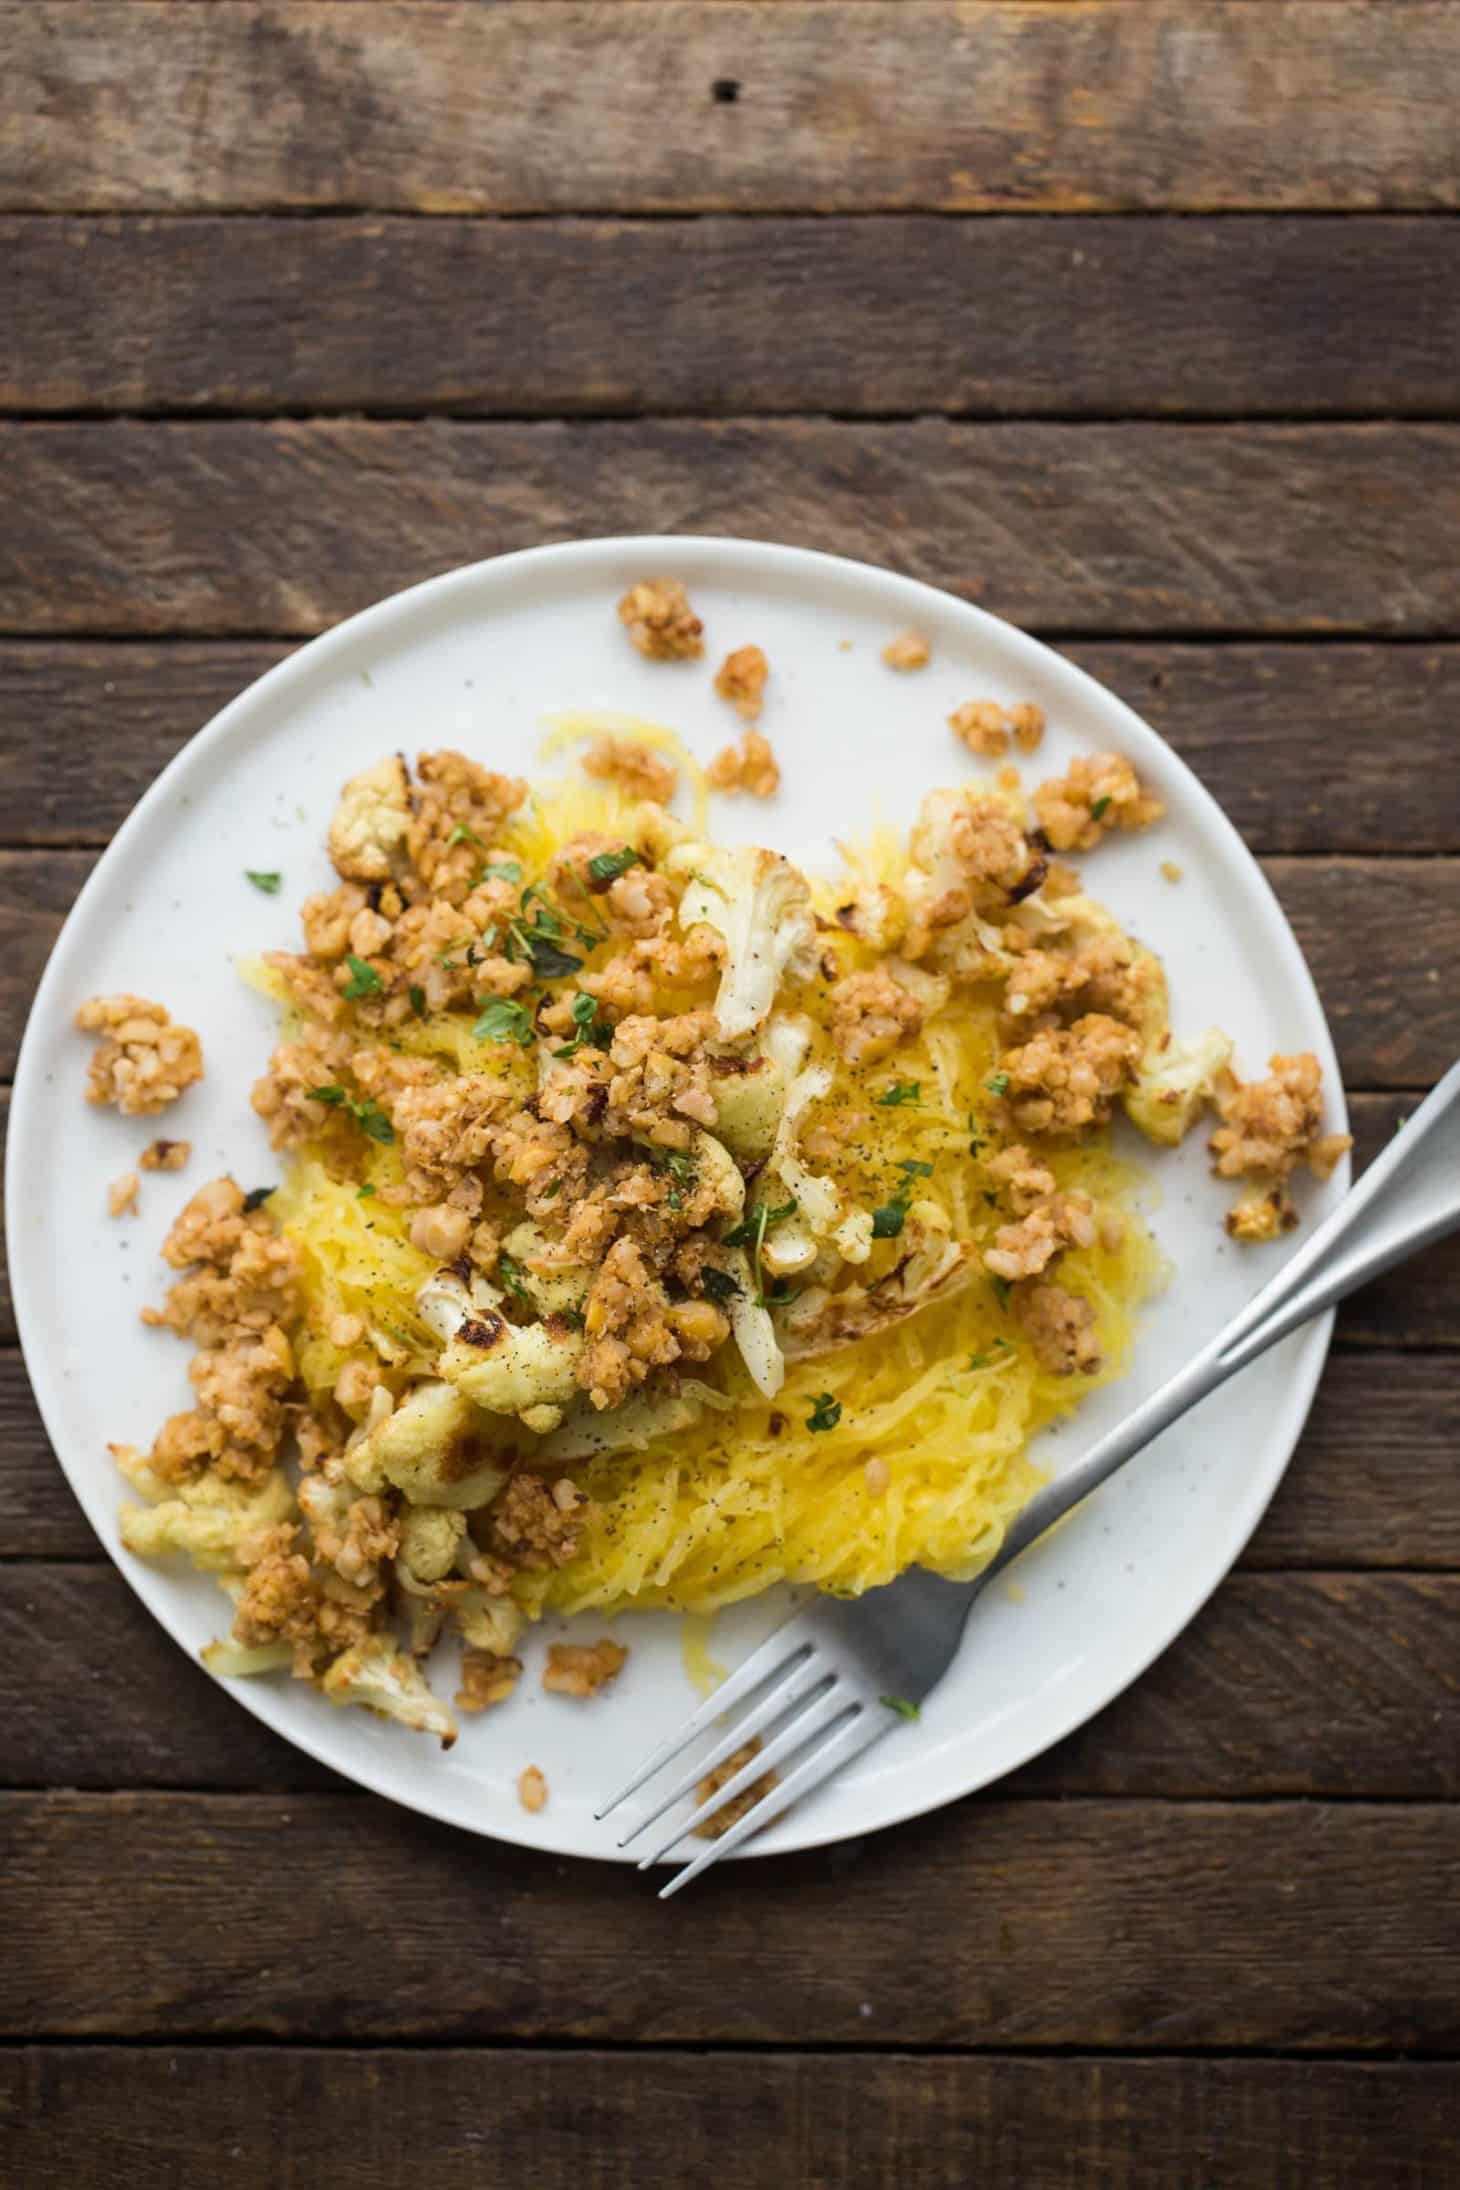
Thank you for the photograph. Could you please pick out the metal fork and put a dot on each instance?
(842, 1673)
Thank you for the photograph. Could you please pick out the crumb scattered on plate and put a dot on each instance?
(741, 680)
(730, 1813)
(581, 1669)
(908, 650)
(532, 1789)
(143, 1062)
(986, 728)
(660, 622)
(751, 766)
(121, 1196)
(1170, 871)
(163, 1155)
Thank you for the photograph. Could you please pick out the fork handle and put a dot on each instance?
(1408, 1197)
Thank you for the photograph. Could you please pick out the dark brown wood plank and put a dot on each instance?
(924, 104)
(1395, 1015)
(1124, 1925)
(1285, 1684)
(1418, 1303)
(1101, 317)
(247, 529)
(90, 722)
(342, 2120)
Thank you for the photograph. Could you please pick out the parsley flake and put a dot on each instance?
(887, 1221)
(1001, 1290)
(365, 1191)
(901, 1706)
(718, 1283)
(504, 1021)
(462, 835)
(606, 867)
(513, 1276)
(417, 1000)
(266, 880)
(255, 1198)
(900, 1092)
(825, 1413)
(1099, 808)
(501, 870)
(999, 1084)
(363, 981)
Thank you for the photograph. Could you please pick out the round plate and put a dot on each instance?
(477, 659)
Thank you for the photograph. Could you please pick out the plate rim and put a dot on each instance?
(148, 1583)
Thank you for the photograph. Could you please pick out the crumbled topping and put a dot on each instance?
(907, 650)
(532, 1527)
(532, 1789)
(1028, 1246)
(870, 1014)
(488, 1677)
(986, 728)
(1102, 791)
(635, 767)
(751, 766)
(1061, 1328)
(660, 622)
(731, 1812)
(582, 1669)
(165, 1155)
(143, 1061)
(741, 680)
(121, 1195)
(1170, 871)
(1066, 1078)
(1268, 1128)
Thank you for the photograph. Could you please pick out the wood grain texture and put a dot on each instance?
(1310, 1684)
(306, 2119)
(919, 104)
(1083, 317)
(88, 724)
(1125, 1925)
(249, 529)
(1396, 1025)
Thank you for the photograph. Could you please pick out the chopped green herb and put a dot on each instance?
(901, 1091)
(365, 1192)
(462, 835)
(504, 1021)
(887, 1221)
(417, 1000)
(547, 960)
(447, 957)
(999, 1084)
(978, 1361)
(718, 1283)
(585, 1019)
(975, 1138)
(1001, 1290)
(606, 867)
(501, 870)
(901, 1706)
(372, 1120)
(674, 1199)
(1098, 809)
(752, 1229)
(551, 1191)
(915, 1169)
(267, 881)
(255, 1198)
(363, 981)
(334, 1095)
(825, 1413)
(677, 1161)
(513, 1276)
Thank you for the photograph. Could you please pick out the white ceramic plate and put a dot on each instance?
(477, 659)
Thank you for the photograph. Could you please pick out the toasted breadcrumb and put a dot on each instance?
(143, 1062)
(1061, 1328)
(121, 1195)
(1102, 791)
(741, 678)
(581, 1669)
(730, 1813)
(532, 1789)
(660, 622)
(1268, 1128)
(870, 1014)
(165, 1155)
(487, 1677)
(750, 766)
(986, 728)
(1170, 871)
(638, 770)
(908, 650)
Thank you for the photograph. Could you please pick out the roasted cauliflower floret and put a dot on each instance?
(931, 1266)
(526, 1369)
(430, 1537)
(377, 1674)
(761, 905)
(143, 1061)
(750, 1094)
(823, 1209)
(367, 834)
(1173, 1085)
(215, 1524)
(418, 1446)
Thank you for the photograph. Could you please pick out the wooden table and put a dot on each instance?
(1139, 325)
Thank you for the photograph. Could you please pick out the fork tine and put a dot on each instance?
(811, 1719)
(771, 1658)
(796, 1687)
(828, 1757)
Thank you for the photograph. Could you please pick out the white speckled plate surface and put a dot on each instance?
(478, 659)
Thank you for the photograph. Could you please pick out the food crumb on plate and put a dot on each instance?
(121, 1196)
(908, 650)
(1170, 871)
(143, 1061)
(532, 1789)
(581, 1669)
(662, 626)
(741, 680)
(751, 766)
(163, 1155)
(731, 1812)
